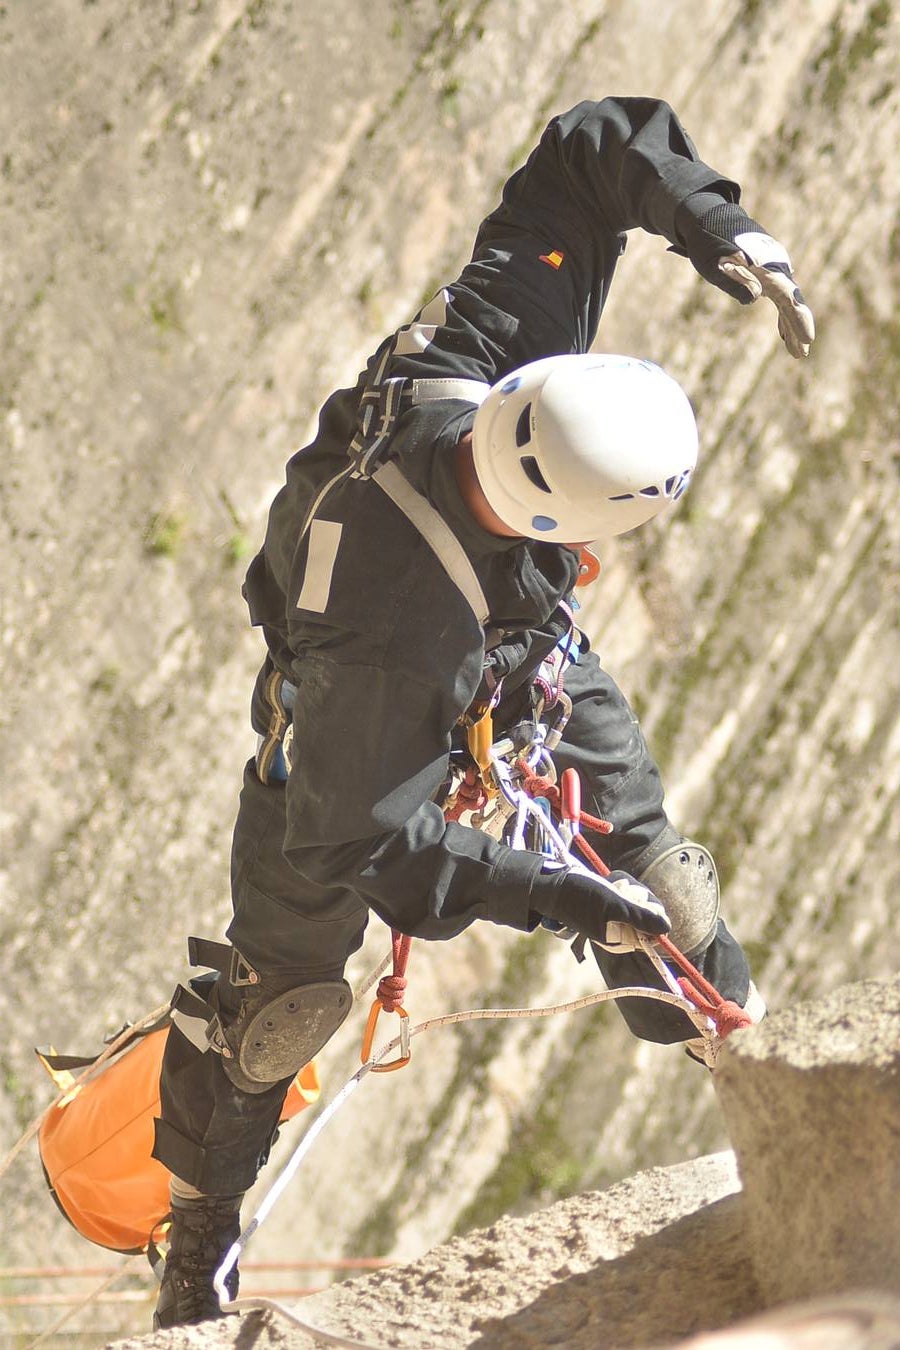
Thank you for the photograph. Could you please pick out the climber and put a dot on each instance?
(417, 568)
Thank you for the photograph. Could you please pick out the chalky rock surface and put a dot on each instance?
(584, 1273)
(812, 1103)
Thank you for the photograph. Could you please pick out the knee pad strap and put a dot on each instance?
(263, 1031)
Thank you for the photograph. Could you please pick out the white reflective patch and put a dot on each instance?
(471, 391)
(418, 335)
(324, 541)
(436, 310)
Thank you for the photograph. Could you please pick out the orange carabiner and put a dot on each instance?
(369, 1035)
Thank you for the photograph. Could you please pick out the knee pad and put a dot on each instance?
(274, 1035)
(264, 1029)
(684, 878)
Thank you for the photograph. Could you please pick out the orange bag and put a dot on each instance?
(95, 1144)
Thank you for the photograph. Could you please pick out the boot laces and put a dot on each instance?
(200, 1239)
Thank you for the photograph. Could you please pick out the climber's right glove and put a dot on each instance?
(608, 910)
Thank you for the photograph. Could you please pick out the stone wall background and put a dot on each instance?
(209, 214)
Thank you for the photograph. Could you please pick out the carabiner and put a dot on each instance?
(369, 1035)
(480, 736)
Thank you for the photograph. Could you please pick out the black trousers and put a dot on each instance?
(292, 931)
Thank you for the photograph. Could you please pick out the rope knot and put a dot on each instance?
(730, 1016)
(536, 785)
(391, 989)
(725, 1014)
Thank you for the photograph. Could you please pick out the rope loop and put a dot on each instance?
(730, 1016)
(389, 999)
(724, 1013)
(537, 785)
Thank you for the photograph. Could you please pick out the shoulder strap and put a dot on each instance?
(437, 533)
(471, 391)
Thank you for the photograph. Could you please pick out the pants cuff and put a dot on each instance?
(213, 1171)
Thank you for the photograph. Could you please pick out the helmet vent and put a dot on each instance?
(523, 426)
(533, 473)
(623, 497)
(651, 491)
(681, 483)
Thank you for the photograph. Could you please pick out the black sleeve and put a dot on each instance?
(631, 162)
(544, 260)
(617, 164)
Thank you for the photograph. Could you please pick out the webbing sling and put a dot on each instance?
(436, 533)
(382, 403)
(419, 511)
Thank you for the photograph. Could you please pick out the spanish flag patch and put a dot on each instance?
(554, 259)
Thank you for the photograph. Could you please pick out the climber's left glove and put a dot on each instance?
(732, 251)
(763, 267)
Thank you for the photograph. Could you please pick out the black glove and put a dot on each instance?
(607, 910)
(731, 250)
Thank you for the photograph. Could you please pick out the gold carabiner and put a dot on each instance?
(480, 737)
(369, 1035)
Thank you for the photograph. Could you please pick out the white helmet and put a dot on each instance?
(574, 448)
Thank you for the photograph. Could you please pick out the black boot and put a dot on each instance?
(202, 1232)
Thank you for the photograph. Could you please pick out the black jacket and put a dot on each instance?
(387, 667)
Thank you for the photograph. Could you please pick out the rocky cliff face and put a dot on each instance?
(792, 1241)
(210, 213)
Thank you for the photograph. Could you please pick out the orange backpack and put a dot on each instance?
(95, 1144)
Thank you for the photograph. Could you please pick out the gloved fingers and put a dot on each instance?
(736, 270)
(644, 912)
(598, 906)
(619, 939)
(762, 267)
(795, 320)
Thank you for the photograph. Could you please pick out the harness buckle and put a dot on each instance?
(379, 407)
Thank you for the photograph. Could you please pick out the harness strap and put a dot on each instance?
(437, 534)
(196, 1020)
(470, 391)
(384, 399)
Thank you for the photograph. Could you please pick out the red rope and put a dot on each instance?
(469, 796)
(726, 1015)
(391, 988)
(536, 786)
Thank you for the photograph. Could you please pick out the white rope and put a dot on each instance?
(365, 984)
(289, 1171)
(556, 846)
(272, 1305)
